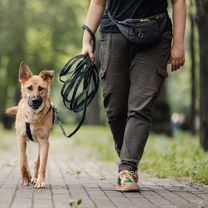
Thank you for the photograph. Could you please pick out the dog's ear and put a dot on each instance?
(24, 72)
(47, 75)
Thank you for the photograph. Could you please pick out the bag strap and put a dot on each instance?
(118, 23)
(113, 19)
(154, 17)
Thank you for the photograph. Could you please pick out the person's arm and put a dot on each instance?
(95, 12)
(177, 56)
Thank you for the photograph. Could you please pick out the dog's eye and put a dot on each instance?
(30, 88)
(40, 88)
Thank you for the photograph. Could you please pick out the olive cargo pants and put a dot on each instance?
(132, 80)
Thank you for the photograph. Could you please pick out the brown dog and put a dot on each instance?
(34, 120)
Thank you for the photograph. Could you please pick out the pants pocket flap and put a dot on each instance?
(162, 70)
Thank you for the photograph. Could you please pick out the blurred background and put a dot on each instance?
(45, 34)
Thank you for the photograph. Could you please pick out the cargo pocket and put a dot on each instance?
(167, 35)
(162, 71)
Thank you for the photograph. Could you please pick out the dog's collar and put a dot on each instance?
(28, 129)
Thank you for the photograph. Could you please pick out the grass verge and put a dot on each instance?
(180, 157)
(6, 139)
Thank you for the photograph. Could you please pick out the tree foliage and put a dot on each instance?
(42, 33)
(45, 34)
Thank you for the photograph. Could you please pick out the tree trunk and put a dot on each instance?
(193, 67)
(202, 8)
(161, 118)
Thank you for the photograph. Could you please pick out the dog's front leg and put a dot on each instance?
(36, 168)
(44, 147)
(24, 167)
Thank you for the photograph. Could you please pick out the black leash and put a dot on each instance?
(80, 80)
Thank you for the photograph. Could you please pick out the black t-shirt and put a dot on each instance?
(131, 9)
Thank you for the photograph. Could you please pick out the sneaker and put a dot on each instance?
(135, 176)
(127, 181)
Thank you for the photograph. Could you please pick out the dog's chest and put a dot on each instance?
(33, 126)
(37, 133)
(32, 132)
(28, 131)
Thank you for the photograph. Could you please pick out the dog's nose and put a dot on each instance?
(35, 102)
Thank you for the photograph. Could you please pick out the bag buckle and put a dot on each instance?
(140, 34)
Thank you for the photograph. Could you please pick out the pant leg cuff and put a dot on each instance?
(127, 166)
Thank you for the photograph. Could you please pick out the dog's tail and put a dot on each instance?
(12, 110)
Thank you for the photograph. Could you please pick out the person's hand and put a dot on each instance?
(177, 56)
(87, 49)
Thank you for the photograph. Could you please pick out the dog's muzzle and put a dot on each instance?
(35, 102)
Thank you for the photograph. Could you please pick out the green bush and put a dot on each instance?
(179, 157)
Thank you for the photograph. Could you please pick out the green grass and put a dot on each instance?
(180, 157)
(97, 139)
(6, 138)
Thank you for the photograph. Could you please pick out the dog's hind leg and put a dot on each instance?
(36, 168)
(24, 167)
(44, 147)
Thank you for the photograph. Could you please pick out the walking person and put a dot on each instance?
(134, 68)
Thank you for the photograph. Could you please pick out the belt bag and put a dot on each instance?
(142, 31)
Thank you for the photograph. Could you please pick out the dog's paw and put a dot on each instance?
(34, 180)
(26, 182)
(40, 184)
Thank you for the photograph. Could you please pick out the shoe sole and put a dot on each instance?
(128, 188)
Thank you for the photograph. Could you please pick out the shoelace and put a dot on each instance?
(126, 175)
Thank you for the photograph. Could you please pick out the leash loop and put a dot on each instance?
(80, 80)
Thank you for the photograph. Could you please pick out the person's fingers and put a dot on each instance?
(173, 64)
(182, 61)
(87, 50)
(178, 64)
(84, 54)
(177, 58)
(91, 55)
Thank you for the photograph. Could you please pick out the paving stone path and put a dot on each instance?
(72, 176)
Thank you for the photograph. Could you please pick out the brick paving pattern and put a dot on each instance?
(71, 176)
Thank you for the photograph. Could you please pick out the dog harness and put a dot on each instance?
(28, 132)
(27, 125)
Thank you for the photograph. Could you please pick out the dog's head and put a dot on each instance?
(35, 88)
